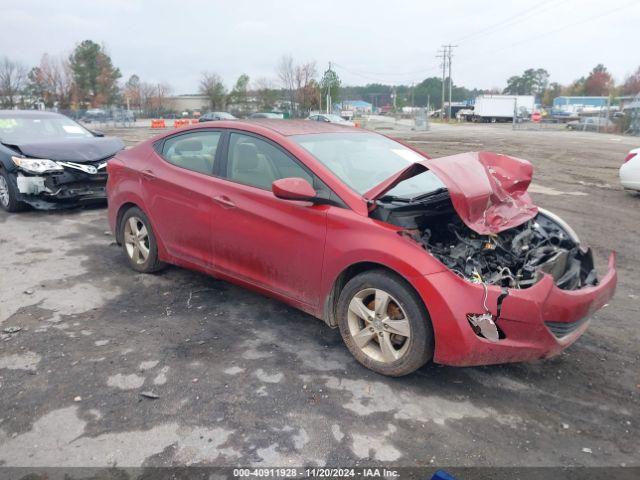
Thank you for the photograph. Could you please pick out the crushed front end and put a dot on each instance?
(519, 285)
(48, 184)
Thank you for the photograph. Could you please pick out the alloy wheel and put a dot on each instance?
(136, 240)
(4, 191)
(378, 325)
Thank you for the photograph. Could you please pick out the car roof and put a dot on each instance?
(27, 114)
(298, 127)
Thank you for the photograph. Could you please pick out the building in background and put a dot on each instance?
(574, 107)
(357, 107)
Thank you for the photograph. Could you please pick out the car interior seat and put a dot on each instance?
(250, 167)
(192, 155)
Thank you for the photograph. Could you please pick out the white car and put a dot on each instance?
(630, 170)
(327, 117)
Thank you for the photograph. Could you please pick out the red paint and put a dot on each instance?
(488, 190)
(295, 250)
(293, 189)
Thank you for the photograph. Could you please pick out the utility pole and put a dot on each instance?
(329, 106)
(444, 64)
(450, 47)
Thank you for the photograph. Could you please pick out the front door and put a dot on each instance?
(274, 243)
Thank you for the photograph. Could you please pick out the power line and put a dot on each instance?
(508, 21)
(380, 77)
(540, 35)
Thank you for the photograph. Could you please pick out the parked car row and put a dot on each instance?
(592, 124)
(402, 253)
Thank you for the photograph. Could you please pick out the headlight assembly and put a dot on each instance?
(36, 165)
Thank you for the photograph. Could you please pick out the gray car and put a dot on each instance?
(592, 124)
(211, 116)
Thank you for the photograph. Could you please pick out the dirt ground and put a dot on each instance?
(246, 380)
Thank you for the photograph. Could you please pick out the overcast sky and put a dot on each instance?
(369, 41)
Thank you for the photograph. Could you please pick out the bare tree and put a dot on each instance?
(306, 85)
(147, 92)
(13, 77)
(212, 87)
(287, 75)
(162, 91)
(55, 77)
(265, 92)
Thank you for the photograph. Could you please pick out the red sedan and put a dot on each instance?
(414, 259)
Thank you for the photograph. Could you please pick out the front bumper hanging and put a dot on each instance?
(77, 183)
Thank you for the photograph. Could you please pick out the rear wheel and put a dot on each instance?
(139, 242)
(9, 193)
(383, 324)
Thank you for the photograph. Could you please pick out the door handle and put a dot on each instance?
(225, 201)
(148, 174)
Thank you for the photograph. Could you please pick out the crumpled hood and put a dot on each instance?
(488, 190)
(73, 150)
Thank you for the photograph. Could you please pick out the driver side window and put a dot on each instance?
(258, 163)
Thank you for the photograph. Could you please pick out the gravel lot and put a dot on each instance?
(246, 380)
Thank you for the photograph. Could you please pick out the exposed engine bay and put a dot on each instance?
(514, 258)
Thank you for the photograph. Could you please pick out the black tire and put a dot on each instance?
(12, 205)
(419, 349)
(151, 263)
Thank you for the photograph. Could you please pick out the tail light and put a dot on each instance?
(630, 156)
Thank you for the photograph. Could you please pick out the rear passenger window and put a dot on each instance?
(193, 151)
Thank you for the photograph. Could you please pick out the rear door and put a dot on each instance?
(178, 191)
(274, 243)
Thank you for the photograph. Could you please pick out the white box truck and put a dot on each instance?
(501, 108)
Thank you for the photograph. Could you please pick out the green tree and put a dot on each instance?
(94, 76)
(552, 91)
(131, 92)
(330, 85)
(36, 88)
(212, 87)
(533, 81)
(239, 94)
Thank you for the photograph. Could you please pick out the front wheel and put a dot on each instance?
(384, 324)
(139, 242)
(8, 193)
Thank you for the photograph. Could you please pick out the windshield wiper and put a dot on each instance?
(428, 194)
(417, 198)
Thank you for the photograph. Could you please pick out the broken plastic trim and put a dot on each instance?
(484, 325)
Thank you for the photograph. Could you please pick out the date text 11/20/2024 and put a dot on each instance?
(321, 472)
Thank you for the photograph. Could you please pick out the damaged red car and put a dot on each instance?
(413, 259)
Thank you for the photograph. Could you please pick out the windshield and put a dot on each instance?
(16, 130)
(363, 160)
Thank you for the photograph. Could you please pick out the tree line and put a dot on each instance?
(87, 78)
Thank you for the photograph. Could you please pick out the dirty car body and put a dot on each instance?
(49, 161)
(498, 279)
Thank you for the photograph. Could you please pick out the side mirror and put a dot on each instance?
(97, 133)
(293, 189)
